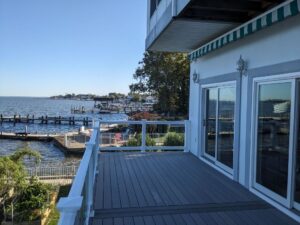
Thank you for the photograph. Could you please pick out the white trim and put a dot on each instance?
(296, 128)
(219, 84)
(203, 114)
(283, 204)
(261, 188)
(208, 162)
(296, 205)
(279, 77)
(291, 168)
(278, 206)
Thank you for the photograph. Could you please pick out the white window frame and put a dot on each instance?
(283, 78)
(208, 158)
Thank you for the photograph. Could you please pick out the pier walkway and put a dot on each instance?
(58, 120)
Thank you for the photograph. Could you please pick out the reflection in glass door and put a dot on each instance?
(273, 132)
(211, 121)
(219, 125)
(226, 106)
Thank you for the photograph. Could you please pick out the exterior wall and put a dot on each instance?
(176, 8)
(161, 8)
(275, 50)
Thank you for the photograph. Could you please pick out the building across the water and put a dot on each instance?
(244, 90)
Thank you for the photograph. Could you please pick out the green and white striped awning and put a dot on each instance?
(277, 14)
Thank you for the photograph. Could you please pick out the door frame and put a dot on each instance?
(283, 78)
(210, 158)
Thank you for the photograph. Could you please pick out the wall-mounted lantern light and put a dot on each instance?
(196, 77)
(242, 66)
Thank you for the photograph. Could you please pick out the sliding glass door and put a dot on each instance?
(219, 125)
(277, 140)
(273, 134)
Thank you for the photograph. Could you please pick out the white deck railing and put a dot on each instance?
(77, 208)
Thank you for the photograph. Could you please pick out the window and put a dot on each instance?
(153, 6)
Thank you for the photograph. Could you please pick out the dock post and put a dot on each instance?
(46, 119)
(32, 118)
(1, 118)
(15, 120)
(87, 121)
(73, 120)
(42, 119)
(27, 118)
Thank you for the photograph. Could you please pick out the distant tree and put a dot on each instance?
(136, 97)
(166, 76)
(116, 95)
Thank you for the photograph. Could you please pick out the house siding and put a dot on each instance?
(275, 50)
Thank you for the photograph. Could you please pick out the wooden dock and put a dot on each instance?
(59, 120)
(58, 140)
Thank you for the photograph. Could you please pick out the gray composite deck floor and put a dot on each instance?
(173, 189)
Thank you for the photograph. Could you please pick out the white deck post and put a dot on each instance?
(90, 179)
(143, 147)
(68, 208)
(98, 146)
(187, 136)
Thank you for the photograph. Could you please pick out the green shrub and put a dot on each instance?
(137, 141)
(174, 139)
(132, 142)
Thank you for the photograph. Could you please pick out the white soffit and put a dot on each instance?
(185, 35)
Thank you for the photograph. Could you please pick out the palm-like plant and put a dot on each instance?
(13, 174)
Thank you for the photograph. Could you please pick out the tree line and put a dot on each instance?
(166, 76)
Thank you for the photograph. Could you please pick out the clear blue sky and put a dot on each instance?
(50, 47)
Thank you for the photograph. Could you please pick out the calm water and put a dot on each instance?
(50, 154)
(10, 106)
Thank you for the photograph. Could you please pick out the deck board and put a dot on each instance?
(173, 189)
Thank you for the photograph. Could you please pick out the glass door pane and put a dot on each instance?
(210, 121)
(225, 139)
(273, 131)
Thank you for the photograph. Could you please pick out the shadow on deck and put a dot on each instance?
(173, 189)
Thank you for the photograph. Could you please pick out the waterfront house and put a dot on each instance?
(244, 90)
(240, 159)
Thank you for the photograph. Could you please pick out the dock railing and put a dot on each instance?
(142, 136)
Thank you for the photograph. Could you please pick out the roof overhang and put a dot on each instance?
(200, 21)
